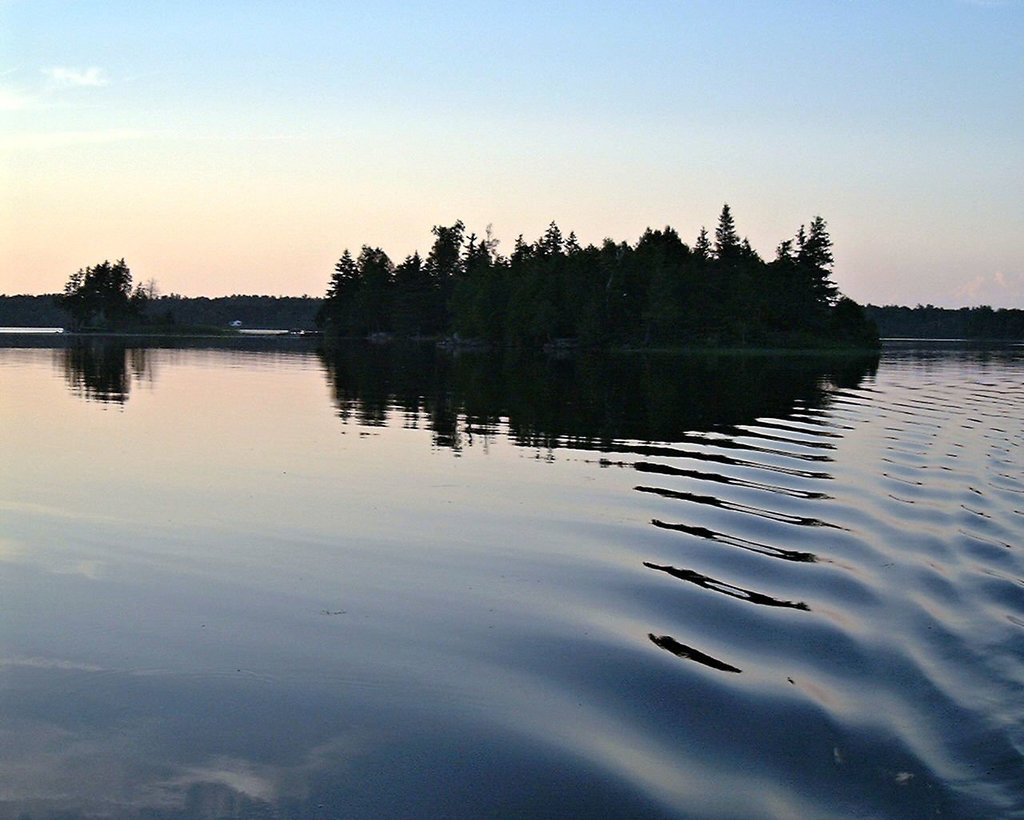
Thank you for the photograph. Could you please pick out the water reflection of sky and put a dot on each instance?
(223, 563)
(221, 598)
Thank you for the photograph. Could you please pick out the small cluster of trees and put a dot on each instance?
(102, 297)
(657, 291)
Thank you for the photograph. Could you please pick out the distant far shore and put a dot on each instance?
(177, 332)
(201, 315)
(173, 313)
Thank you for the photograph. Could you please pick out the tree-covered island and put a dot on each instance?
(101, 299)
(102, 296)
(658, 292)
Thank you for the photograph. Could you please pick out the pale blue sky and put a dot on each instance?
(240, 147)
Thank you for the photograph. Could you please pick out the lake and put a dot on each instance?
(250, 578)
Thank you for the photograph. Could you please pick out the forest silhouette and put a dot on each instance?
(554, 292)
(173, 311)
(656, 292)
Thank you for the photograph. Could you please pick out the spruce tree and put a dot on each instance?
(727, 241)
(815, 258)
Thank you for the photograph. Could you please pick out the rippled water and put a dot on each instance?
(274, 582)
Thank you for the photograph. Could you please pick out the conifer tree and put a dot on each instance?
(338, 309)
(815, 258)
(727, 241)
(702, 247)
(373, 302)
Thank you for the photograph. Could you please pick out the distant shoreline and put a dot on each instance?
(29, 313)
(253, 335)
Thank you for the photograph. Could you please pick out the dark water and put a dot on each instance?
(265, 581)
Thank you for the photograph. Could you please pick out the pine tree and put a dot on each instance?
(337, 312)
(814, 255)
(551, 243)
(410, 313)
(444, 265)
(373, 302)
(345, 278)
(727, 241)
(702, 247)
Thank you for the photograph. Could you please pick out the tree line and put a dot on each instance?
(102, 297)
(266, 312)
(930, 322)
(175, 311)
(658, 291)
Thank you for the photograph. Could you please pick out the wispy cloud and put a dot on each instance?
(34, 95)
(91, 77)
(998, 290)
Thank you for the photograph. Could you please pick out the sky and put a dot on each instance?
(226, 147)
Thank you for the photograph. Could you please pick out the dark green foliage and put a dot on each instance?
(851, 326)
(658, 292)
(930, 322)
(412, 290)
(177, 313)
(31, 311)
(269, 312)
(101, 297)
(814, 260)
(481, 294)
(339, 307)
(373, 300)
(444, 267)
(727, 242)
(669, 288)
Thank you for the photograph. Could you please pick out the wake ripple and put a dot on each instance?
(896, 615)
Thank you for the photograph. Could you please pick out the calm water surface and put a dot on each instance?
(265, 581)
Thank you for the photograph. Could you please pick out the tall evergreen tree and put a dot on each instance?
(665, 258)
(338, 310)
(373, 301)
(727, 241)
(814, 258)
(345, 277)
(411, 315)
(551, 243)
(702, 247)
(443, 265)
(816, 247)
(816, 253)
(478, 303)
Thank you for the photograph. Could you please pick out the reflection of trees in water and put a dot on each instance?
(103, 370)
(588, 402)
